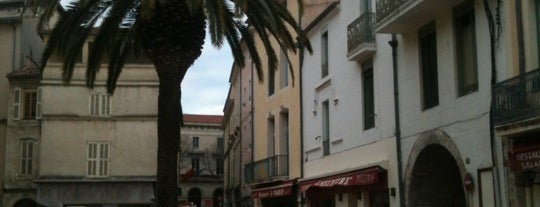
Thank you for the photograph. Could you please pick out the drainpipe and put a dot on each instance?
(14, 56)
(394, 43)
(252, 112)
(300, 66)
(521, 50)
(496, 179)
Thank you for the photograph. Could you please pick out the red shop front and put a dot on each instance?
(278, 194)
(357, 184)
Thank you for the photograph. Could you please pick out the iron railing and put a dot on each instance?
(361, 31)
(266, 169)
(517, 98)
(387, 7)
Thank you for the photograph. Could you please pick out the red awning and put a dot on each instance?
(284, 189)
(356, 178)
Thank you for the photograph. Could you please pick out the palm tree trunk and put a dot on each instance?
(169, 114)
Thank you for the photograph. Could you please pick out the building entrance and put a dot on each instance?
(436, 179)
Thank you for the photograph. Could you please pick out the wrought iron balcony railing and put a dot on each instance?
(517, 98)
(361, 32)
(387, 7)
(266, 169)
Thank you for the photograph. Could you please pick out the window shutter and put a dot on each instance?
(92, 159)
(38, 104)
(17, 104)
(104, 159)
(109, 105)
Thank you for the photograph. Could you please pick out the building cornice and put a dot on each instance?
(52, 179)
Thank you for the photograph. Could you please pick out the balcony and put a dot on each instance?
(361, 37)
(398, 16)
(517, 98)
(267, 169)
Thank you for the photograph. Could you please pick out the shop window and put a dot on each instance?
(428, 61)
(379, 198)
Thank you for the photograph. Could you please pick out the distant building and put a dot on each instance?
(201, 164)
(98, 149)
(20, 49)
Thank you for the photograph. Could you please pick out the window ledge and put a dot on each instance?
(325, 82)
(337, 141)
(313, 150)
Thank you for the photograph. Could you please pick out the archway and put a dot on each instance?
(194, 196)
(217, 198)
(25, 203)
(436, 179)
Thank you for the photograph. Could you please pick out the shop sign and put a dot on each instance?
(365, 177)
(275, 191)
(525, 158)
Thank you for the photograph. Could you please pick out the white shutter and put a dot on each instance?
(17, 104)
(92, 159)
(91, 105)
(38, 103)
(104, 159)
(109, 105)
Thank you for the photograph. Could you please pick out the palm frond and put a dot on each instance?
(216, 14)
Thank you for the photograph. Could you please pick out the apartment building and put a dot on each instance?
(201, 161)
(98, 149)
(276, 146)
(516, 103)
(20, 48)
(349, 151)
(238, 132)
(441, 54)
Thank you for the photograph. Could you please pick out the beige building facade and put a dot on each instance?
(276, 132)
(201, 161)
(97, 148)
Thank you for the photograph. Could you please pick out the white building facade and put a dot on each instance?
(349, 157)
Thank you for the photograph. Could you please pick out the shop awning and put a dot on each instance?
(284, 189)
(356, 178)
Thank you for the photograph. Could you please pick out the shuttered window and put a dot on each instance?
(100, 105)
(98, 159)
(26, 104)
(26, 157)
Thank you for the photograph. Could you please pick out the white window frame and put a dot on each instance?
(100, 105)
(19, 107)
(98, 159)
(27, 151)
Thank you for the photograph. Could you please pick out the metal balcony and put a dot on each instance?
(398, 16)
(517, 98)
(267, 169)
(361, 37)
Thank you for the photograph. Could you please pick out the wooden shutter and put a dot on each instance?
(17, 104)
(38, 103)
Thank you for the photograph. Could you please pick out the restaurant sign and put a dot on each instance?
(524, 158)
(275, 191)
(358, 178)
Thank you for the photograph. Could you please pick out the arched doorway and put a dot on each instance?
(217, 198)
(25, 203)
(436, 179)
(194, 196)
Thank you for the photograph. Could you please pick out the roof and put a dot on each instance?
(28, 70)
(199, 118)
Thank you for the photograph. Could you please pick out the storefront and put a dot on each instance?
(365, 187)
(523, 156)
(279, 194)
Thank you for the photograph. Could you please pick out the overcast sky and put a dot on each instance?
(206, 83)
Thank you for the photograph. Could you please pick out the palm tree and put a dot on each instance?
(171, 33)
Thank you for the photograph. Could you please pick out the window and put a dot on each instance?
(284, 70)
(464, 24)
(98, 159)
(368, 94)
(324, 53)
(270, 137)
(220, 143)
(284, 132)
(100, 105)
(26, 157)
(271, 81)
(326, 128)
(195, 142)
(195, 164)
(428, 61)
(219, 166)
(26, 104)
